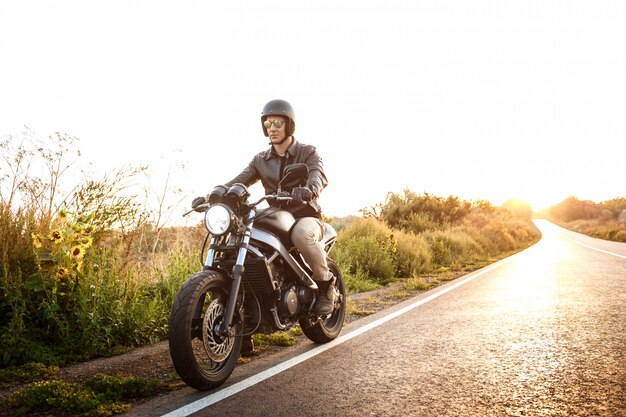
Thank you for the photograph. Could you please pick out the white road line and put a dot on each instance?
(268, 373)
(596, 249)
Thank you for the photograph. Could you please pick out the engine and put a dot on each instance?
(293, 298)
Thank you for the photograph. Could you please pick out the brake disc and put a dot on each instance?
(217, 347)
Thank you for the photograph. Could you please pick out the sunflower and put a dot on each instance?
(77, 252)
(87, 241)
(37, 243)
(63, 214)
(56, 236)
(62, 272)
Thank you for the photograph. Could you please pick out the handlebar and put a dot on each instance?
(204, 206)
(269, 197)
(272, 197)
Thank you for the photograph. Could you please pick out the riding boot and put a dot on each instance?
(247, 346)
(325, 303)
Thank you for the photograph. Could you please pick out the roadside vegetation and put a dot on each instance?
(410, 237)
(89, 266)
(101, 395)
(82, 273)
(604, 220)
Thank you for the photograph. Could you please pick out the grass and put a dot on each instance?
(399, 295)
(264, 342)
(358, 282)
(296, 331)
(100, 395)
(28, 372)
(415, 284)
(352, 308)
(275, 339)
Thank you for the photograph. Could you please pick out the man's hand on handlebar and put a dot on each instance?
(197, 202)
(302, 194)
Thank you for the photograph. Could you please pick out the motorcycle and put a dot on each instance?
(253, 281)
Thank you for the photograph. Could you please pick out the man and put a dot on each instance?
(279, 124)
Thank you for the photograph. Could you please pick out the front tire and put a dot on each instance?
(203, 358)
(323, 331)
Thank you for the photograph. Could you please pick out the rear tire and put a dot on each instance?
(203, 358)
(323, 331)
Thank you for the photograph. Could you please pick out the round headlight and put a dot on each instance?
(217, 219)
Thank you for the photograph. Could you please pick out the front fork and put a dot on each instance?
(238, 270)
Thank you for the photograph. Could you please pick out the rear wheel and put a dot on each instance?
(326, 329)
(203, 358)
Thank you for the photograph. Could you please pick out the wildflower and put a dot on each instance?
(77, 228)
(56, 236)
(62, 272)
(37, 243)
(87, 241)
(88, 229)
(77, 252)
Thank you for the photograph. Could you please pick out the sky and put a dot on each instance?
(485, 100)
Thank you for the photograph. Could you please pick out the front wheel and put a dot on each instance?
(203, 357)
(325, 330)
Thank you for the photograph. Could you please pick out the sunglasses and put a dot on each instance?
(269, 123)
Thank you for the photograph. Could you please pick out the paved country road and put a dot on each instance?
(542, 333)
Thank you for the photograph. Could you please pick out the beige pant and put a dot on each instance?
(306, 236)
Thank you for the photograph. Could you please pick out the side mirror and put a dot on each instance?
(295, 175)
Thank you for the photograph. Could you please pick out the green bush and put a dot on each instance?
(364, 255)
(498, 238)
(417, 223)
(413, 255)
(453, 247)
(362, 227)
(357, 282)
(365, 249)
(420, 212)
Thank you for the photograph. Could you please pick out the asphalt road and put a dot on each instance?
(542, 333)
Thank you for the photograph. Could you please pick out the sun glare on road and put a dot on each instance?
(530, 284)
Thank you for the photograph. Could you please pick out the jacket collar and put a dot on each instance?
(292, 150)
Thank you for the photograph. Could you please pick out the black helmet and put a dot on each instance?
(279, 108)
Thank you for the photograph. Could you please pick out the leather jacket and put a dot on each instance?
(268, 166)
